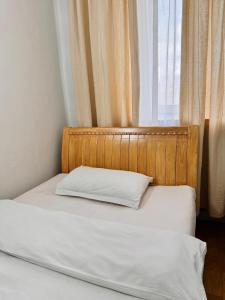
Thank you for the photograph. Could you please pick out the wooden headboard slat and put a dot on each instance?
(169, 154)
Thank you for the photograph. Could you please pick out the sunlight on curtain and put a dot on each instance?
(159, 29)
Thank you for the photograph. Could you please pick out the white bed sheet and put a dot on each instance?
(164, 207)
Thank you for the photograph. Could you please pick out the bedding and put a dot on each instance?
(20, 280)
(129, 259)
(163, 207)
(114, 186)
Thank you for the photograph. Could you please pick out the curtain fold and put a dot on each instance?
(103, 39)
(202, 87)
(194, 51)
(217, 111)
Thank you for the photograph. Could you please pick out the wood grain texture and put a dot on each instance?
(160, 176)
(181, 160)
(65, 150)
(100, 151)
(169, 154)
(170, 167)
(93, 151)
(133, 153)
(124, 152)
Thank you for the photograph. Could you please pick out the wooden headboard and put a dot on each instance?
(169, 154)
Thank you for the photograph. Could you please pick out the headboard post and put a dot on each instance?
(65, 150)
(169, 154)
(192, 155)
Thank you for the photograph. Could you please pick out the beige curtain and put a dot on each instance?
(202, 87)
(105, 62)
(193, 67)
(217, 111)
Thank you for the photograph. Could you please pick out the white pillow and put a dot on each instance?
(115, 186)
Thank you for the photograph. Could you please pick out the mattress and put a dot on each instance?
(164, 207)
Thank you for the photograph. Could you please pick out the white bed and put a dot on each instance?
(169, 207)
(164, 207)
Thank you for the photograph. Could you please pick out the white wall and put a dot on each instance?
(32, 112)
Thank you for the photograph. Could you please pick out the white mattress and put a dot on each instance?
(164, 207)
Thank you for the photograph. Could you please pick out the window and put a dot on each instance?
(159, 28)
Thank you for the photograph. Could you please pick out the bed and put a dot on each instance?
(169, 154)
(158, 207)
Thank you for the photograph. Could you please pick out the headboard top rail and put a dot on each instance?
(128, 131)
(169, 154)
